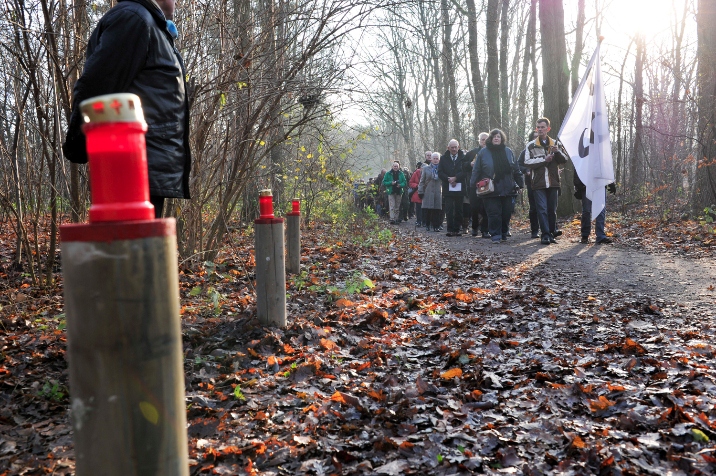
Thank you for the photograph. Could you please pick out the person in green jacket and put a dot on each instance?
(394, 182)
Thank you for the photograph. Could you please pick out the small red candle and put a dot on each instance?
(266, 204)
(296, 205)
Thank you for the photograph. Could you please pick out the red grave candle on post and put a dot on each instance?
(114, 128)
(295, 205)
(266, 204)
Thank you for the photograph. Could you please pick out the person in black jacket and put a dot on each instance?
(580, 193)
(453, 175)
(132, 51)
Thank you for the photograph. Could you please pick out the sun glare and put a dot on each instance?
(651, 18)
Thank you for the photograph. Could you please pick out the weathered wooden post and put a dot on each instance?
(122, 307)
(270, 264)
(293, 237)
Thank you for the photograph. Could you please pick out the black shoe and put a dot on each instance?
(535, 234)
(504, 237)
(605, 241)
(392, 222)
(584, 240)
(438, 229)
(545, 240)
(474, 233)
(459, 233)
(486, 234)
(449, 233)
(557, 233)
(508, 233)
(551, 239)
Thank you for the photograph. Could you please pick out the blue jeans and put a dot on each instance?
(546, 204)
(587, 219)
(534, 222)
(499, 211)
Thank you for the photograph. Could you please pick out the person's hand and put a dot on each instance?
(549, 157)
(395, 182)
(612, 188)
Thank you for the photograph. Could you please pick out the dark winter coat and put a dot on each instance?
(484, 168)
(131, 51)
(447, 168)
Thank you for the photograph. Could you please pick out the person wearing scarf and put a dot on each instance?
(497, 162)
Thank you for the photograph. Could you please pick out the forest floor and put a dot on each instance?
(414, 353)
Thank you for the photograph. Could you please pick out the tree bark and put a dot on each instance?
(554, 61)
(556, 82)
(530, 48)
(504, 76)
(493, 63)
(636, 167)
(705, 189)
(448, 68)
(481, 111)
(620, 156)
(578, 46)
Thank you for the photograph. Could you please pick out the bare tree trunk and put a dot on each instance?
(448, 68)
(620, 158)
(578, 46)
(554, 61)
(493, 63)
(504, 75)
(556, 84)
(528, 59)
(705, 190)
(481, 112)
(79, 8)
(636, 169)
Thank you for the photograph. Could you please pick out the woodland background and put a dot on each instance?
(305, 97)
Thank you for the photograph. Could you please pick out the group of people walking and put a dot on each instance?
(479, 187)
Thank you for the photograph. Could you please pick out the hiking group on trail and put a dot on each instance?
(478, 189)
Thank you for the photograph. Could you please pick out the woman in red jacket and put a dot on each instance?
(414, 198)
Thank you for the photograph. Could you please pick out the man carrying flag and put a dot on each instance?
(585, 136)
(543, 158)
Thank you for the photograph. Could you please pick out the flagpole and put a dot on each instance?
(595, 55)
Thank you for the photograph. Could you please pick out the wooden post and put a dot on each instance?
(124, 348)
(270, 264)
(293, 237)
(121, 292)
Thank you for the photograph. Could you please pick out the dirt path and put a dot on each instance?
(592, 267)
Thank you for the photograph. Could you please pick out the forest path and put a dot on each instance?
(687, 281)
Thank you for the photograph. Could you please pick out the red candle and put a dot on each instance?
(266, 204)
(296, 205)
(119, 183)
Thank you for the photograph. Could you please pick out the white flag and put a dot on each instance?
(585, 135)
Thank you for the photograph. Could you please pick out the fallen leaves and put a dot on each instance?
(452, 373)
(486, 366)
(601, 404)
